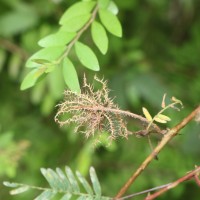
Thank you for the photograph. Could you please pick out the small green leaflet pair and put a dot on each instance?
(159, 117)
(56, 47)
(67, 184)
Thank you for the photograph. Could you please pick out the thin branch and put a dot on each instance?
(190, 175)
(166, 138)
(79, 33)
(144, 192)
(13, 48)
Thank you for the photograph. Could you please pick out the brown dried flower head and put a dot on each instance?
(93, 112)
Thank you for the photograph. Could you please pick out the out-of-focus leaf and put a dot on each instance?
(56, 83)
(174, 99)
(75, 23)
(41, 61)
(146, 114)
(95, 182)
(2, 58)
(49, 53)
(157, 119)
(150, 81)
(72, 179)
(84, 183)
(99, 37)
(66, 197)
(48, 104)
(46, 195)
(19, 190)
(61, 38)
(112, 7)
(38, 91)
(17, 21)
(14, 66)
(9, 184)
(63, 177)
(49, 177)
(31, 78)
(80, 8)
(111, 22)
(162, 118)
(103, 3)
(70, 75)
(86, 56)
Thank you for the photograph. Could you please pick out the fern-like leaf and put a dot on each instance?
(64, 183)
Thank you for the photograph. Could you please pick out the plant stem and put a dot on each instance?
(166, 138)
(79, 33)
(190, 175)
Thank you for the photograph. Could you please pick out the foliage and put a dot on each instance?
(56, 47)
(66, 184)
(159, 53)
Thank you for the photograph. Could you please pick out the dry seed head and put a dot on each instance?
(92, 111)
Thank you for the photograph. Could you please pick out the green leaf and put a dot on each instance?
(111, 22)
(76, 9)
(66, 197)
(19, 190)
(72, 179)
(161, 118)
(61, 38)
(53, 179)
(64, 179)
(103, 3)
(95, 182)
(112, 7)
(82, 198)
(31, 78)
(9, 184)
(86, 56)
(70, 75)
(84, 183)
(146, 114)
(48, 177)
(41, 61)
(46, 195)
(49, 53)
(75, 23)
(99, 37)
(56, 83)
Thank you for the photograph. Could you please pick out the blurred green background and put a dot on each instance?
(159, 53)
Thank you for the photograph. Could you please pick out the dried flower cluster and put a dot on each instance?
(92, 111)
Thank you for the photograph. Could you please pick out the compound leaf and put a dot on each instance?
(86, 56)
